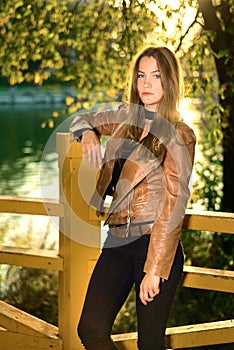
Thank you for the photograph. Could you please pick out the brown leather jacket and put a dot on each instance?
(147, 191)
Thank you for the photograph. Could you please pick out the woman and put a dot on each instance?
(146, 169)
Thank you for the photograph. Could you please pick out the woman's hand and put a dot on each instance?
(91, 149)
(149, 288)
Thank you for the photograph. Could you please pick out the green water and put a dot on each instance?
(22, 142)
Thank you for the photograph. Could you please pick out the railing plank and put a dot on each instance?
(31, 257)
(19, 341)
(15, 320)
(21, 331)
(33, 206)
(208, 279)
(194, 220)
(209, 221)
(210, 333)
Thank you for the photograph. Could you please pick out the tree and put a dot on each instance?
(77, 41)
(218, 23)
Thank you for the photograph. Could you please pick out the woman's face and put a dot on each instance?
(149, 83)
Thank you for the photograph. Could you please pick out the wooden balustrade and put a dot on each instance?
(79, 248)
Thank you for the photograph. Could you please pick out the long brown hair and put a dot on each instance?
(172, 85)
(171, 79)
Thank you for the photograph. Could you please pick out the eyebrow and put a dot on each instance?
(154, 71)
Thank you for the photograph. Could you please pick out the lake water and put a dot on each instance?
(22, 141)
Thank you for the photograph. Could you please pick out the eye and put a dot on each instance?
(140, 75)
(157, 76)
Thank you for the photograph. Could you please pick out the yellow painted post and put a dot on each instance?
(79, 237)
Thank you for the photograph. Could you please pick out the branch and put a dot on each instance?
(188, 29)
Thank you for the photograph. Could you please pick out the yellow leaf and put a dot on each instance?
(18, 4)
(37, 78)
(50, 123)
(69, 100)
(50, 64)
(78, 105)
(72, 109)
(43, 31)
(55, 114)
(12, 80)
(86, 105)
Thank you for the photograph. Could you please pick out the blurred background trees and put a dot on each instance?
(89, 45)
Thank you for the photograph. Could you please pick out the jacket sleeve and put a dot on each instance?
(166, 231)
(101, 122)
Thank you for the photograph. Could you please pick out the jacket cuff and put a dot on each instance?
(150, 268)
(77, 135)
(160, 260)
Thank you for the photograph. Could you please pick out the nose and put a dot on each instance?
(147, 81)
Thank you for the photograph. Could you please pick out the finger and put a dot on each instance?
(95, 159)
(141, 296)
(86, 148)
(153, 292)
(90, 158)
(144, 296)
(145, 299)
(88, 152)
(85, 151)
(96, 156)
(148, 296)
(99, 157)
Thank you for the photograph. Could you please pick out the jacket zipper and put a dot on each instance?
(135, 204)
(128, 218)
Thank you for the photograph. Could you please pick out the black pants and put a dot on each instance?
(116, 271)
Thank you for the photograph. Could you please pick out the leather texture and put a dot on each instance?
(147, 191)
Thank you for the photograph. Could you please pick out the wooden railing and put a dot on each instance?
(79, 248)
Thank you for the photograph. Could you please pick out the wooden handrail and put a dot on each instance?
(208, 279)
(28, 205)
(180, 337)
(31, 257)
(194, 219)
(209, 221)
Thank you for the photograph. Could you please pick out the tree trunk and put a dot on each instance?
(223, 42)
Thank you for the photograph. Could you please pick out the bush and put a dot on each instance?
(34, 291)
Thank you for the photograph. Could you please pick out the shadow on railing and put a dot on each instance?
(75, 261)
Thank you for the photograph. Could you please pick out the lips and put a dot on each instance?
(147, 94)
